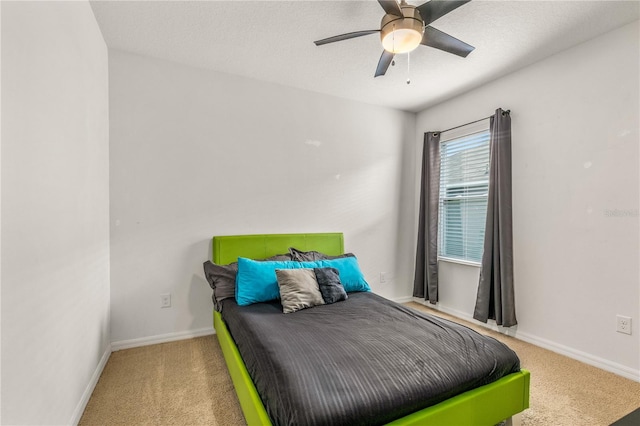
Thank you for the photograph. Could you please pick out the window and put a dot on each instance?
(464, 186)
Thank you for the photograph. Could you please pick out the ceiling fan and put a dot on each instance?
(405, 27)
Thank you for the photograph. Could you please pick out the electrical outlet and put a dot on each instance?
(383, 277)
(165, 300)
(624, 324)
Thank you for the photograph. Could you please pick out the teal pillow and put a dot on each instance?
(257, 282)
(349, 269)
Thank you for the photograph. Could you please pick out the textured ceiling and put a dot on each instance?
(273, 41)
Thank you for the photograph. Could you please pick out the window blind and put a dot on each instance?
(464, 186)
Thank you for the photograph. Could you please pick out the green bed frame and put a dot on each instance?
(483, 406)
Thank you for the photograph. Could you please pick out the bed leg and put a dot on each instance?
(515, 420)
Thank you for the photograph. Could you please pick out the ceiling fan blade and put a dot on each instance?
(434, 9)
(383, 63)
(346, 36)
(443, 41)
(391, 6)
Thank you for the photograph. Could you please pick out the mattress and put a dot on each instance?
(366, 360)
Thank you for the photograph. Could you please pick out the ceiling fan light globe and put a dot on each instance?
(402, 34)
(401, 40)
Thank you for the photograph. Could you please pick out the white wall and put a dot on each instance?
(575, 120)
(55, 206)
(196, 153)
(0, 216)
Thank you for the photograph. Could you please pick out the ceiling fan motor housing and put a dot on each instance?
(402, 34)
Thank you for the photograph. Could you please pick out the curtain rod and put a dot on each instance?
(472, 122)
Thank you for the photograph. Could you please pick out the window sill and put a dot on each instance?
(460, 261)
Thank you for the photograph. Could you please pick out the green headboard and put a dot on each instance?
(227, 249)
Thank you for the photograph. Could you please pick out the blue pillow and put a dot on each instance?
(349, 269)
(257, 282)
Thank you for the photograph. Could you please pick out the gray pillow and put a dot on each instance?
(330, 286)
(222, 279)
(298, 289)
(312, 256)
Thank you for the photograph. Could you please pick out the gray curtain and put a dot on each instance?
(495, 290)
(425, 282)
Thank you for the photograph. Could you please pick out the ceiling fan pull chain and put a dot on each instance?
(393, 38)
(393, 35)
(408, 68)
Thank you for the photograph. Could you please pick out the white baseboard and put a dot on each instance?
(161, 338)
(77, 413)
(403, 299)
(491, 325)
(604, 364)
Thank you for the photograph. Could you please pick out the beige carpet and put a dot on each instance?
(177, 383)
(186, 383)
(564, 391)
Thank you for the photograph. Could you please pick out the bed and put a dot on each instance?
(487, 404)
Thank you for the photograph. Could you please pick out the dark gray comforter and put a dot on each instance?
(363, 361)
